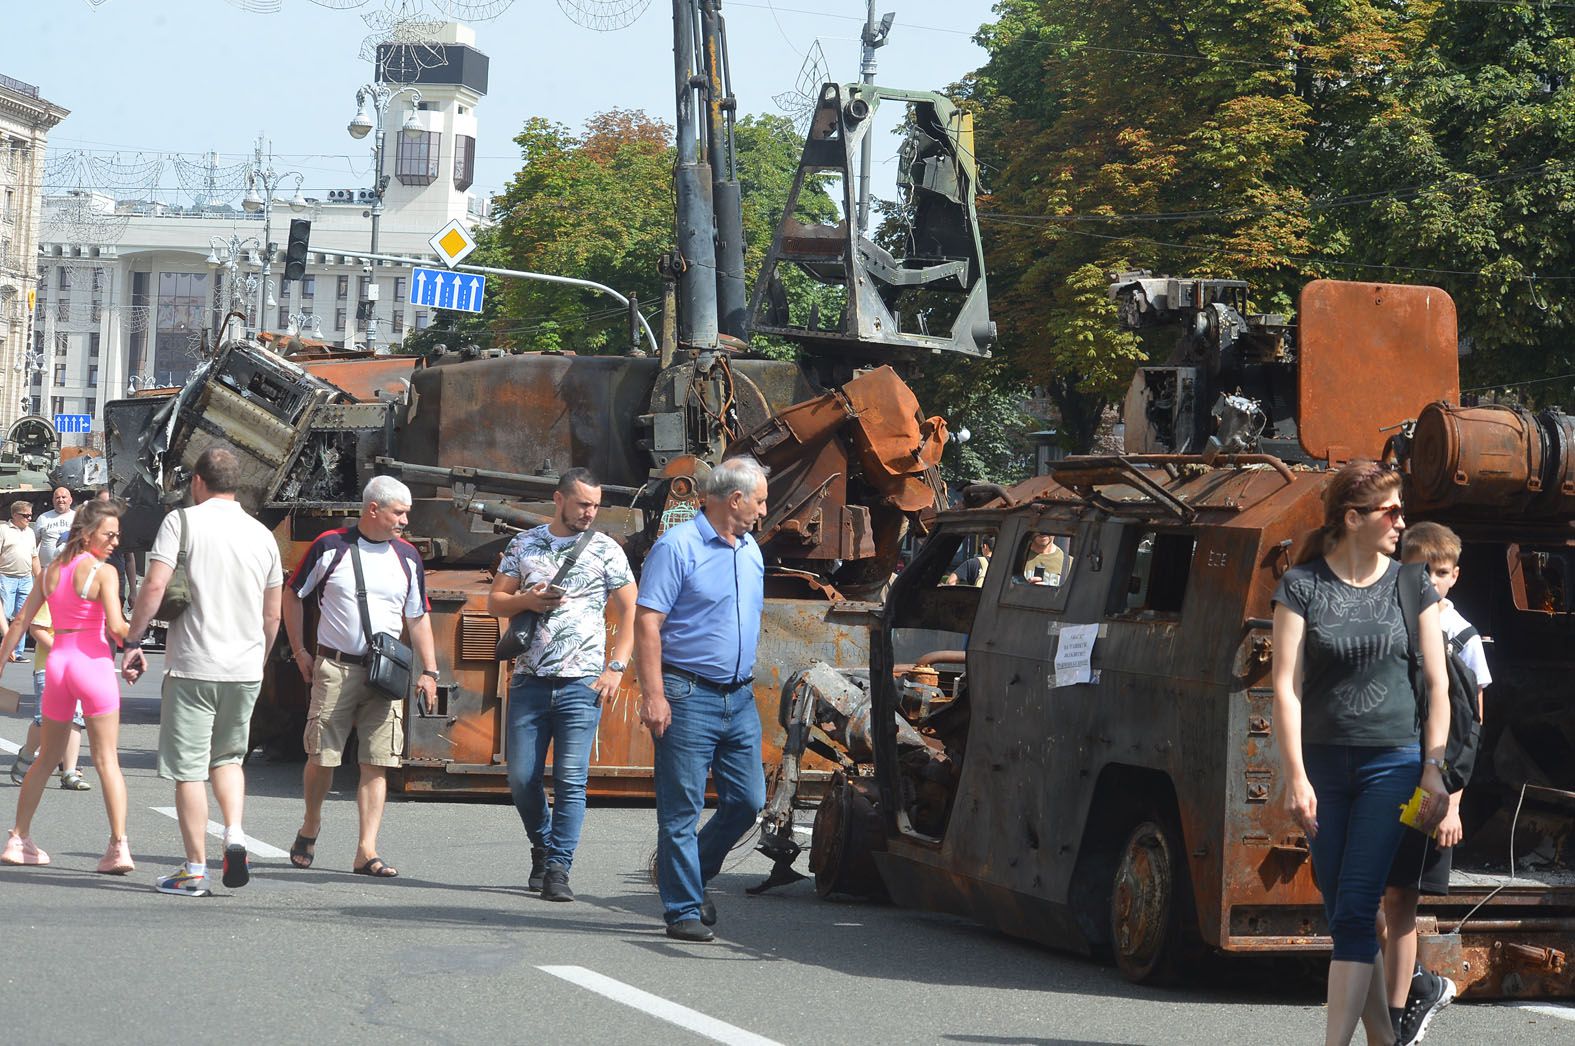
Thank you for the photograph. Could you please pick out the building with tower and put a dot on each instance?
(131, 290)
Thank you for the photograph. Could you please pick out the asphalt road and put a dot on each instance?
(456, 951)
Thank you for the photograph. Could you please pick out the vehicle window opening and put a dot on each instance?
(1044, 559)
(1539, 579)
(1157, 581)
(929, 638)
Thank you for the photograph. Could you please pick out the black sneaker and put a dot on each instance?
(691, 930)
(555, 884)
(237, 867)
(538, 867)
(708, 910)
(1429, 994)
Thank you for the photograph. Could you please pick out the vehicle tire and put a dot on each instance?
(1151, 902)
(847, 828)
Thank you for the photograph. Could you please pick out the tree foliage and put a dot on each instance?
(1274, 141)
(598, 205)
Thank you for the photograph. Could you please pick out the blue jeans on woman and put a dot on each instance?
(563, 712)
(1360, 792)
(717, 730)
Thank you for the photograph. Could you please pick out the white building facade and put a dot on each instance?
(25, 121)
(136, 308)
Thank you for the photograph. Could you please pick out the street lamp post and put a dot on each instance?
(379, 97)
(263, 176)
(32, 362)
(228, 254)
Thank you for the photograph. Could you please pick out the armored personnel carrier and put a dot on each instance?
(1084, 755)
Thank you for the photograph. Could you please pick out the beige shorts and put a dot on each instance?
(342, 699)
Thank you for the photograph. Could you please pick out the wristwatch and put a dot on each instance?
(616, 666)
(430, 672)
(1442, 766)
(132, 644)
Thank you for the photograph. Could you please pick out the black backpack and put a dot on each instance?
(1465, 720)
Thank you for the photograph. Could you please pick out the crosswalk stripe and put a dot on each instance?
(255, 846)
(658, 1007)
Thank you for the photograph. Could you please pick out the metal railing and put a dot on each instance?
(18, 86)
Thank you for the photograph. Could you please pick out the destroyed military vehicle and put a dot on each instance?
(1085, 756)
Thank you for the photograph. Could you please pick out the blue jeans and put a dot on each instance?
(13, 593)
(713, 730)
(565, 713)
(1360, 792)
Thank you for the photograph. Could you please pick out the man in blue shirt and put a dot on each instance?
(702, 590)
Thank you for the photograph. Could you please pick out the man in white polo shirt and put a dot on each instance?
(335, 665)
(213, 665)
(18, 563)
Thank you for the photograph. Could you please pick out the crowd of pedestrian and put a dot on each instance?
(1354, 741)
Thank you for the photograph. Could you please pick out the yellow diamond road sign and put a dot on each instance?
(452, 243)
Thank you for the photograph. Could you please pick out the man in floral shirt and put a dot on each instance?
(563, 676)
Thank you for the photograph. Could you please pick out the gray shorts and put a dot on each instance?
(202, 724)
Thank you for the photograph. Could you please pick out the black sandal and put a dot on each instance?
(377, 868)
(303, 851)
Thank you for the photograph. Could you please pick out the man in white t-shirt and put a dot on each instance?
(18, 564)
(54, 526)
(335, 665)
(214, 658)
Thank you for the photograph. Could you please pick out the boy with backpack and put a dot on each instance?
(1423, 863)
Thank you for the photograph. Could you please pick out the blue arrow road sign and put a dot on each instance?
(73, 423)
(440, 289)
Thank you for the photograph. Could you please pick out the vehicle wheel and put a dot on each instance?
(1149, 900)
(847, 827)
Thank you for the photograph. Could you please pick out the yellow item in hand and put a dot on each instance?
(1411, 812)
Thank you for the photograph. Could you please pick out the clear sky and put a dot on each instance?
(189, 76)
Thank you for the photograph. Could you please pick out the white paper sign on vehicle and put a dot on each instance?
(1073, 654)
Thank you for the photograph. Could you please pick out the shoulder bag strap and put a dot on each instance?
(1409, 586)
(185, 546)
(360, 590)
(574, 554)
(1458, 641)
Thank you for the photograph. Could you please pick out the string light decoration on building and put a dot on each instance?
(800, 102)
(604, 16)
(403, 43)
(208, 183)
(83, 189)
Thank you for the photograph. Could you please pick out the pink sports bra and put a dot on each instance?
(68, 609)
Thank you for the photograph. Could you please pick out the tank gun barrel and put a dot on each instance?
(507, 515)
(518, 484)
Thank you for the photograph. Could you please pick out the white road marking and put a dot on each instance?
(1566, 1013)
(7, 746)
(658, 1007)
(254, 845)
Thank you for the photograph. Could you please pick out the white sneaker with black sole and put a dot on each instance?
(237, 866)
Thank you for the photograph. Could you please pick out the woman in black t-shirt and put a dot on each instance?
(1346, 718)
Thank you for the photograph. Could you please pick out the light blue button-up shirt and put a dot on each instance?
(712, 593)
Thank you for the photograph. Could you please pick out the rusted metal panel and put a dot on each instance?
(365, 378)
(1371, 355)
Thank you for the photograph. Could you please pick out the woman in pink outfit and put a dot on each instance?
(84, 600)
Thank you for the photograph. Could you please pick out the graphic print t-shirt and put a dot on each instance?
(1356, 689)
(572, 640)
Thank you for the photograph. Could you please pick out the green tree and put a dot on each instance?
(1192, 147)
(1469, 163)
(598, 206)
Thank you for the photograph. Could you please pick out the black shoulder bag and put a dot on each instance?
(388, 660)
(516, 638)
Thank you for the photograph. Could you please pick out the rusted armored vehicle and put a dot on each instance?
(1081, 749)
(481, 438)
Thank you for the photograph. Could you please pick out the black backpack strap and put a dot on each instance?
(1409, 587)
(360, 590)
(1458, 641)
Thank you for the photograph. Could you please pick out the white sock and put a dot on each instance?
(197, 867)
(233, 836)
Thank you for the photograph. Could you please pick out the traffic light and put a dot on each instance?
(295, 250)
